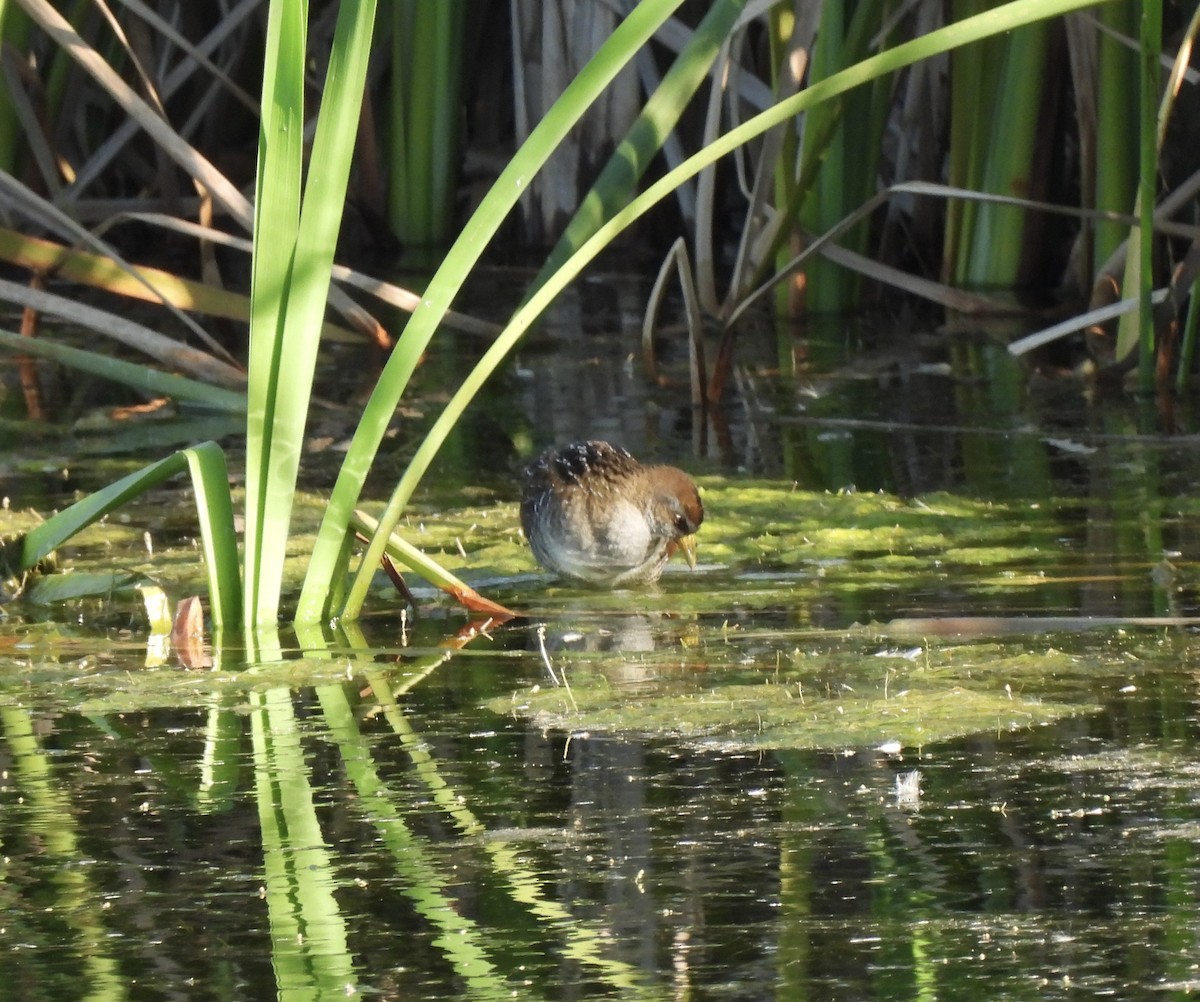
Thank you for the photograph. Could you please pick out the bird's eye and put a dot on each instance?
(681, 525)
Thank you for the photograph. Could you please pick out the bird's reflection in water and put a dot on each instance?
(624, 636)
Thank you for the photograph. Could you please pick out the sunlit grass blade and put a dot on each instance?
(210, 481)
(401, 550)
(293, 256)
(632, 33)
(141, 377)
(277, 219)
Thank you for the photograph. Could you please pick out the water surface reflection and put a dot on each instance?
(571, 863)
(706, 790)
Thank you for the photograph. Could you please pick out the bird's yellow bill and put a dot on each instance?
(688, 545)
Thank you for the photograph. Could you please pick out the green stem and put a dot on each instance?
(1151, 46)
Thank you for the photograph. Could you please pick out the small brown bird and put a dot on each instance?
(593, 513)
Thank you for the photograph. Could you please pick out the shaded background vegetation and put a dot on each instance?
(1048, 113)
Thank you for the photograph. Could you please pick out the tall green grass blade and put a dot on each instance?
(1136, 330)
(214, 507)
(974, 76)
(993, 22)
(14, 35)
(997, 240)
(276, 222)
(151, 381)
(291, 289)
(1151, 50)
(1117, 109)
(325, 566)
(210, 481)
(427, 65)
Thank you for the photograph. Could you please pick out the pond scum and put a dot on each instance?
(731, 678)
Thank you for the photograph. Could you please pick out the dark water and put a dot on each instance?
(485, 857)
(1006, 812)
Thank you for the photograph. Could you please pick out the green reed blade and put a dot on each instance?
(1136, 329)
(14, 36)
(293, 257)
(1151, 50)
(1116, 110)
(152, 381)
(210, 480)
(276, 222)
(426, 88)
(996, 244)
